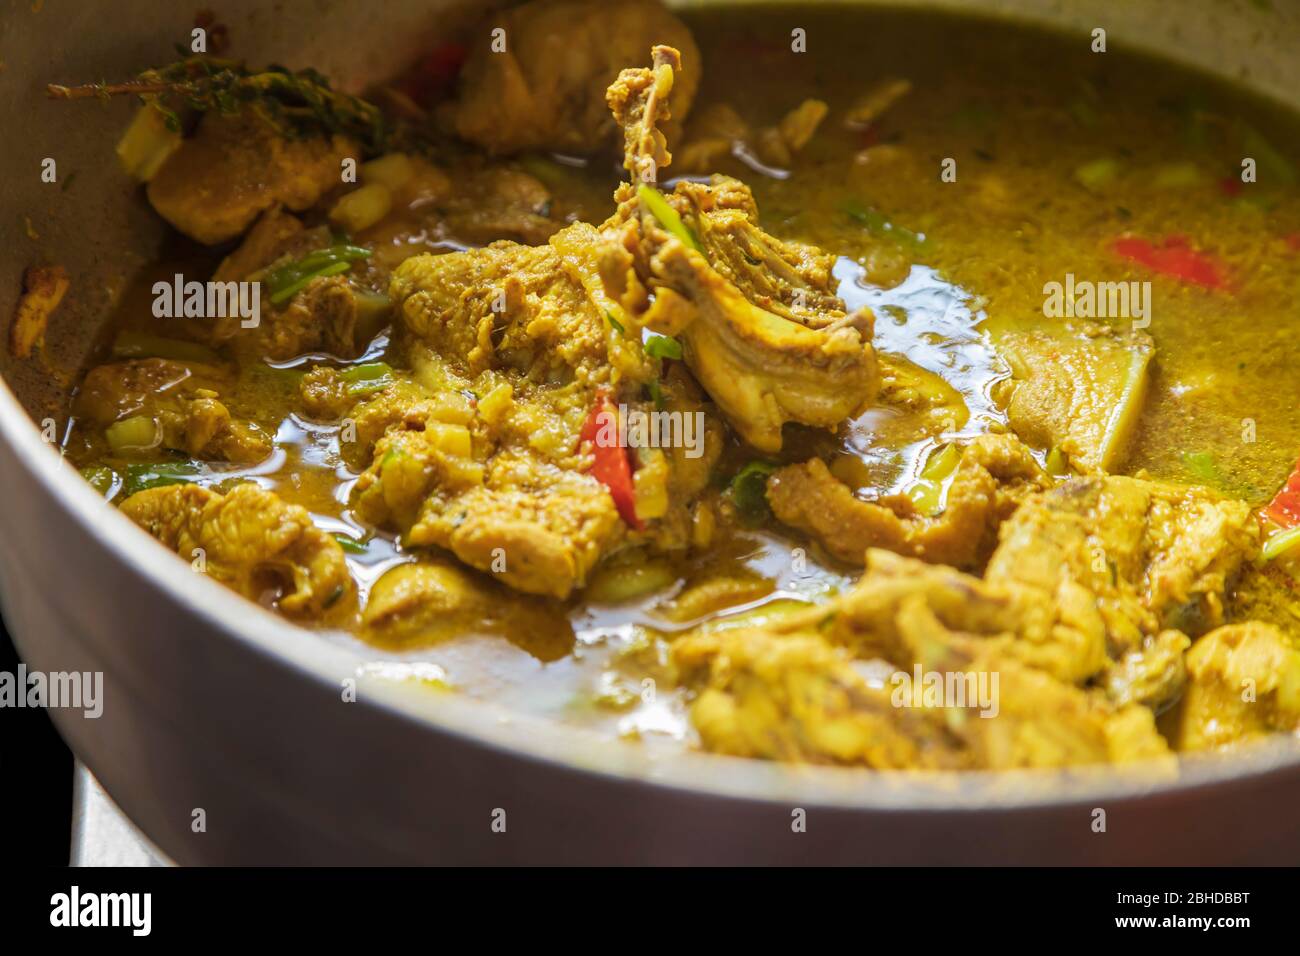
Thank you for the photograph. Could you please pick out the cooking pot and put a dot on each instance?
(230, 736)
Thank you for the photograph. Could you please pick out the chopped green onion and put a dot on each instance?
(663, 347)
(286, 280)
(656, 394)
(288, 292)
(129, 344)
(103, 479)
(142, 477)
(369, 377)
(618, 326)
(654, 201)
(349, 543)
(1280, 544)
(134, 434)
(877, 224)
(748, 489)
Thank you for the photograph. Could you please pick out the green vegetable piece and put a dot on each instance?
(283, 282)
(663, 347)
(369, 377)
(129, 344)
(667, 216)
(350, 544)
(748, 490)
(143, 476)
(617, 325)
(877, 224)
(1281, 543)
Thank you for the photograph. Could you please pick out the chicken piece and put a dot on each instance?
(1152, 556)
(795, 697)
(938, 406)
(499, 203)
(760, 324)
(530, 333)
(249, 540)
(420, 603)
(183, 400)
(1079, 391)
(1244, 682)
(784, 692)
(324, 317)
(1154, 674)
(1059, 634)
(995, 473)
(327, 315)
(276, 235)
(539, 527)
(236, 166)
(546, 89)
(1025, 716)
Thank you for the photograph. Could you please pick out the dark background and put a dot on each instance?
(35, 782)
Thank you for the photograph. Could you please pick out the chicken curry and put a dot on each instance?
(914, 397)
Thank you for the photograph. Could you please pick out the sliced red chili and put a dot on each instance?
(1285, 506)
(612, 466)
(1176, 257)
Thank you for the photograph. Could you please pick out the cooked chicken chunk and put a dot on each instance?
(1245, 682)
(510, 488)
(760, 323)
(326, 315)
(1152, 556)
(236, 166)
(546, 89)
(795, 697)
(994, 475)
(784, 692)
(432, 599)
(182, 399)
(1080, 391)
(249, 540)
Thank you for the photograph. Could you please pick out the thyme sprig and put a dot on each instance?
(294, 102)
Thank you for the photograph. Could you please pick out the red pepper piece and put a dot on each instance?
(612, 467)
(1285, 506)
(1175, 257)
